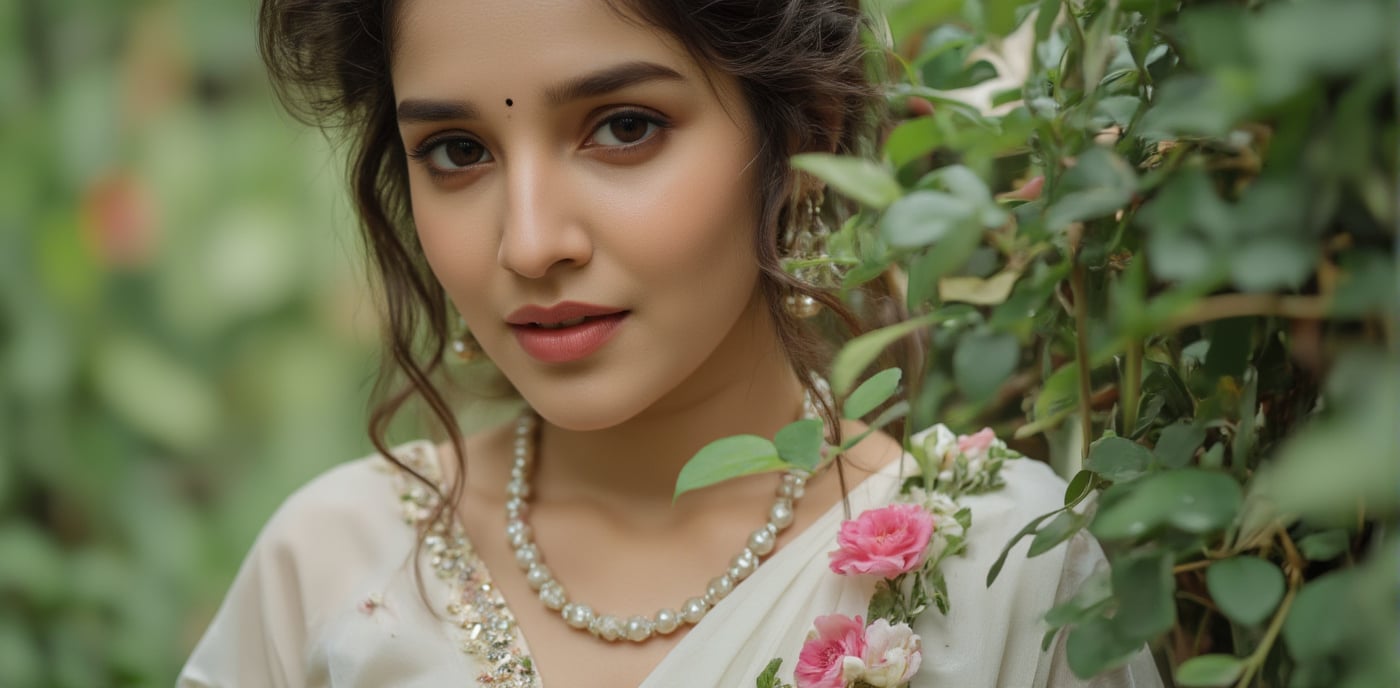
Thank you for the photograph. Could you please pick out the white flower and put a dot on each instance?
(940, 445)
(944, 511)
(892, 654)
(852, 670)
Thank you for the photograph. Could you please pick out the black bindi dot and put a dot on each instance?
(509, 102)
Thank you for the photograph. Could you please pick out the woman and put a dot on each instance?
(601, 191)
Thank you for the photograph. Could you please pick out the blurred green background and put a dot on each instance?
(185, 330)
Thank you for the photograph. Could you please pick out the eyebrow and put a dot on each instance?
(608, 80)
(598, 83)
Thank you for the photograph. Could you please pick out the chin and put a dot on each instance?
(587, 417)
(584, 405)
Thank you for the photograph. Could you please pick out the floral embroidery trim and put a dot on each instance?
(902, 543)
(484, 625)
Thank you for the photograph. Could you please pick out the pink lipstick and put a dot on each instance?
(565, 332)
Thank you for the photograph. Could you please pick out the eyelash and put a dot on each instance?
(424, 150)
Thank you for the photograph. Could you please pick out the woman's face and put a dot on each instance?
(567, 162)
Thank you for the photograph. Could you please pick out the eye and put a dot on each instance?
(447, 155)
(626, 129)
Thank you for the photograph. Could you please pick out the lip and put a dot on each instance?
(559, 312)
(564, 344)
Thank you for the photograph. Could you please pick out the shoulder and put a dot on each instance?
(340, 534)
(342, 520)
(363, 491)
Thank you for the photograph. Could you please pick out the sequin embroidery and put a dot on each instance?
(484, 625)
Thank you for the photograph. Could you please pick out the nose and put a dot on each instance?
(541, 226)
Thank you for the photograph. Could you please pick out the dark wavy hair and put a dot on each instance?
(801, 68)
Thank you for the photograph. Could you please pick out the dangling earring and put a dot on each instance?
(805, 243)
(465, 345)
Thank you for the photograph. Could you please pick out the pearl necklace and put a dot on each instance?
(636, 628)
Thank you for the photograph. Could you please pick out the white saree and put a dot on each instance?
(327, 597)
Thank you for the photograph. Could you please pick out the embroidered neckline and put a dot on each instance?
(483, 624)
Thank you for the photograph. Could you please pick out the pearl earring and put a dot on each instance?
(805, 245)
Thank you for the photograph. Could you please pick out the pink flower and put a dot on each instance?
(886, 541)
(892, 654)
(837, 642)
(977, 444)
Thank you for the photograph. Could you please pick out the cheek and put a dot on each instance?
(691, 220)
(451, 231)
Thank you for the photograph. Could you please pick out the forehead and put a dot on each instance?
(443, 46)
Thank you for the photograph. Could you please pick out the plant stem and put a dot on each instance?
(1240, 305)
(1081, 352)
(816, 262)
(1256, 658)
(1192, 566)
(1296, 562)
(1132, 381)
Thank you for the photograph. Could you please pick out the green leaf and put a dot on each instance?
(990, 291)
(938, 260)
(1029, 528)
(1145, 590)
(1192, 500)
(1059, 529)
(962, 182)
(1093, 595)
(1178, 444)
(34, 565)
(871, 393)
(1100, 183)
(1096, 646)
(1325, 546)
(22, 658)
(924, 217)
(867, 182)
(1048, 10)
(155, 393)
(1366, 284)
(911, 140)
(908, 17)
(860, 352)
(1272, 262)
(863, 273)
(883, 603)
(1294, 40)
(769, 677)
(999, 16)
(896, 411)
(1079, 487)
(982, 361)
(1322, 613)
(1195, 104)
(800, 443)
(1118, 459)
(1332, 465)
(1119, 109)
(1059, 393)
(1246, 589)
(1208, 671)
(725, 458)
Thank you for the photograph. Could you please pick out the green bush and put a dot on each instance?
(1154, 242)
(184, 336)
